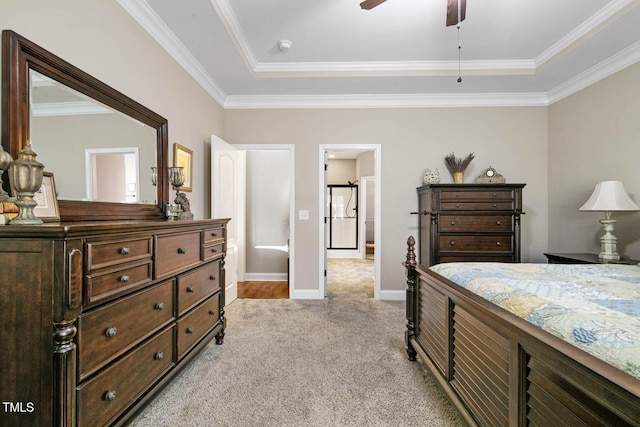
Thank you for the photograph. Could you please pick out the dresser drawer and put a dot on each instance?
(108, 331)
(484, 195)
(475, 223)
(176, 252)
(196, 324)
(213, 251)
(453, 243)
(109, 283)
(105, 396)
(476, 206)
(198, 284)
(101, 254)
(213, 234)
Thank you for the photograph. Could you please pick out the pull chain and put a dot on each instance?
(459, 55)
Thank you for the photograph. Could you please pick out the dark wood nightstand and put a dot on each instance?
(584, 258)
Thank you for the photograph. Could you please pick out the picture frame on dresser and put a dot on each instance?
(46, 198)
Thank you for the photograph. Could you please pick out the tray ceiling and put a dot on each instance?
(399, 54)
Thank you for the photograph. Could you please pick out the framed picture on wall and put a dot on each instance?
(182, 156)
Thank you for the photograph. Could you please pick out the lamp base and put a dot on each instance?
(608, 246)
(25, 212)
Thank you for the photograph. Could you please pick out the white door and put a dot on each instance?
(225, 188)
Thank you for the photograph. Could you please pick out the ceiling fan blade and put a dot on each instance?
(370, 4)
(455, 15)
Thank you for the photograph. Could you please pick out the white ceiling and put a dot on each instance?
(399, 54)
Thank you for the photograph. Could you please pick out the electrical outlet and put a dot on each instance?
(303, 215)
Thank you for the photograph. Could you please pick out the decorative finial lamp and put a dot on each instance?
(27, 179)
(176, 179)
(609, 196)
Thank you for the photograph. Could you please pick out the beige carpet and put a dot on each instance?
(332, 362)
(350, 278)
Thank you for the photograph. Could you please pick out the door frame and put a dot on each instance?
(322, 259)
(292, 233)
(366, 181)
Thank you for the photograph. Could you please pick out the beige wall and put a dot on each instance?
(560, 152)
(101, 38)
(594, 135)
(513, 140)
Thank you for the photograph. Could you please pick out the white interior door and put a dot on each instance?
(226, 197)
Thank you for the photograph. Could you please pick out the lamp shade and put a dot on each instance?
(609, 196)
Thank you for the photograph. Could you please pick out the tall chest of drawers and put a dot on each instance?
(469, 222)
(98, 317)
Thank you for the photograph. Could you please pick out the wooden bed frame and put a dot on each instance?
(500, 370)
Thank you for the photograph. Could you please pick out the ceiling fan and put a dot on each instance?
(456, 9)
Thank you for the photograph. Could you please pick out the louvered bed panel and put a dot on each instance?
(500, 370)
(558, 394)
(433, 327)
(481, 368)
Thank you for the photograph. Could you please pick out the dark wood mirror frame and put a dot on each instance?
(20, 55)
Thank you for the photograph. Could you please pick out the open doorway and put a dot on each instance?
(261, 232)
(112, 174)
(349, 179)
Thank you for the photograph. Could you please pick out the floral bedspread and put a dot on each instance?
(595, 307)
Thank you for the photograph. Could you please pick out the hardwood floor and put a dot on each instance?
(263, 290)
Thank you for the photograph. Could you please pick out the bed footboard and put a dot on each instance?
(499, 370)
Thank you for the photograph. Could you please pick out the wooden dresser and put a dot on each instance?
(96, 317)
(469, 222)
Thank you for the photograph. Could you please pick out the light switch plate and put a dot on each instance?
(303, 215)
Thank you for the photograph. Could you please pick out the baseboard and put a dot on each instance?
(393, 295)
(265, 277)
(306, 294)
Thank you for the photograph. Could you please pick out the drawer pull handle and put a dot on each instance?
(159, 306)
(453, 223)
(457, 194)
(189, 330)
(182, 251)
(453, 243)
(213, 250)
(211, 312)
(212, 277)
(124, 251)
(124, 279)
(110, 395)
(457, 205)
(495, 195)
(111, 332)
(494, 205)
(159, 356)
(214, 235)
(498, 243)
(190, 290)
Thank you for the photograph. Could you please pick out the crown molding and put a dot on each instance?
(234, 30)
(611, 65)
(151, 22)
(446, 100)
(394, 68)
(76, 108)
(600, 20)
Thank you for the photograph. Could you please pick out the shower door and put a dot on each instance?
(342, 216)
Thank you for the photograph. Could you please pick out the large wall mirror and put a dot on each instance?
(100, 145)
